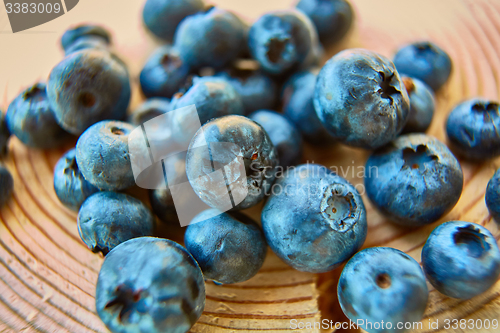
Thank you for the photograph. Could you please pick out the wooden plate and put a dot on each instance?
(47, 276)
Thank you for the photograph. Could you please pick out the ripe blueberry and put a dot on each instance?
(257, 90)
(212, 38)
(31, 119)
(360, 99)
(4, 135)
(314, 220)
(382, 284)
(422, 105)
(103, 157)
(162, 17)
(425, 61)
(492, 196)
(6, 185)
(215, 147)
(213, 97)
(283, 134)
(228, 248)
(107, 219)
(413, 180)
(297, 98)
(148, 110)
(281, 41)
(461, 259)
(472, 129)
(164, 73)
(83, 31)
(332, 18)
(140, 292)
(70, 186)
(86, 87)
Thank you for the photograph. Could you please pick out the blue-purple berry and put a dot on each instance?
(229, 248)
(140, 292)
(107, 219)
(31, 119)
(69, 184)
(461, 259)
(102, 155)
(86, 87)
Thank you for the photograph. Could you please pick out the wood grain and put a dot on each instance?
(47, 275)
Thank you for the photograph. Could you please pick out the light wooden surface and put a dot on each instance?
(47, 276)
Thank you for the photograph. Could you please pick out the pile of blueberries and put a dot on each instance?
(236, 75)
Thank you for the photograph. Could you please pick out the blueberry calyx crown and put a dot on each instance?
(424, 47)
(169, 60)
(485, 108)
(126, 301)
(383, 280)
(33, 91)
(339, 207)
(276, 47)
(208, 8)
(86, 99)
(471, 238)
(415, 158)
(117, 131)
(387, 89)
(71, 166)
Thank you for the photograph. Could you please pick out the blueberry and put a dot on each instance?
(257, 90)
(382, 285)
(283, 134)
(70, 186)
(230, 139)
(164, 73)
(472, 129)
(140, 292)
(314, 219)
(422, 105)
(162, 17)
(360, 99)
(461, 259)
(162, 204)
(332, 18)
(82, 31)
(103, 157)
(297, 98)
(4, 135)
(414, 180)
(148, 110)
(212, 38)
(213, 97)
(6, 185)
(161, 199)
(228, 248)
(492, 196)
(31, 119)
(280, 41)
(316, 52)
(425, 61)
(107, 219)
(86, 87)
(84, 43)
